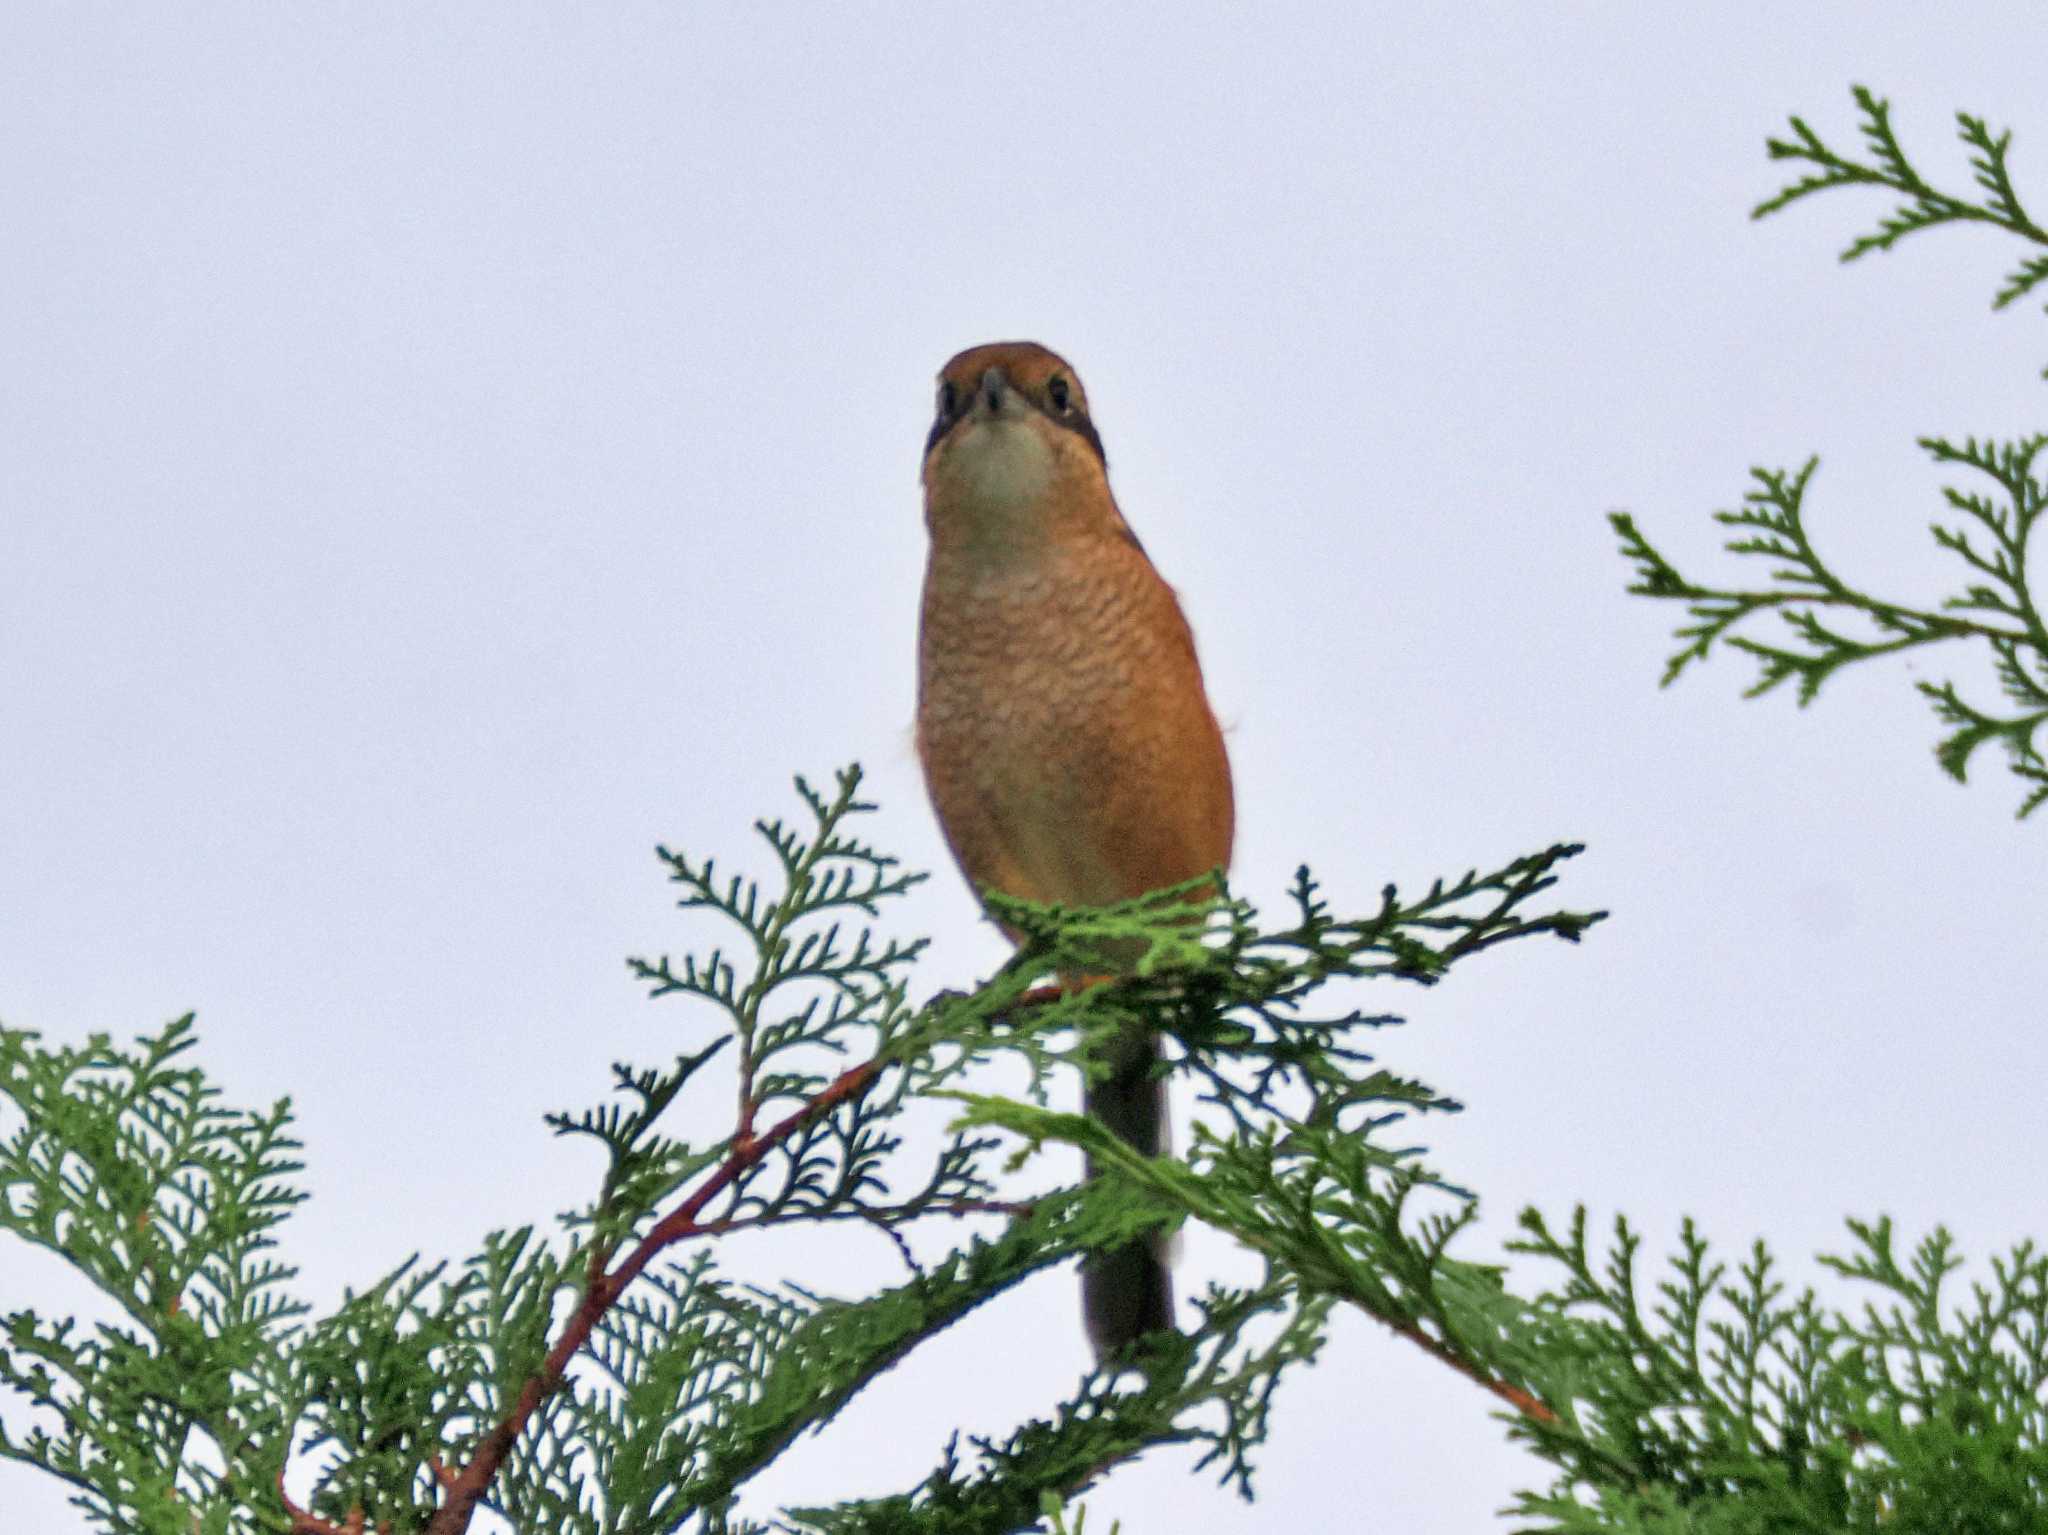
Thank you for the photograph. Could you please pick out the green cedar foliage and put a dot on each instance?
(1997, 500)
(604, 1376)
(601, 1375)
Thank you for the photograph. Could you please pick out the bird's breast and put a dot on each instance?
(1022, 653)
(1066, 737)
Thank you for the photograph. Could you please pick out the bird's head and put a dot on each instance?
(1012, 452)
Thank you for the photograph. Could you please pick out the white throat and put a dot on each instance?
(1003, 467)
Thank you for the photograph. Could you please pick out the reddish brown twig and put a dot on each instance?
(464, 1489)
(874, 1215)
(1522, 1402)
(1039, 996)
(304, 1523)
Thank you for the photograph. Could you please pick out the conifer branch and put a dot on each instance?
(1924, 206)
(1995, 608)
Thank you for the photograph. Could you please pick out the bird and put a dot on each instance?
(1066, 737)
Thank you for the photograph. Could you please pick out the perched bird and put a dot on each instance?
(1067, 742)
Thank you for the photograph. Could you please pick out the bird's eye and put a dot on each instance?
(949, 400)
(1057, 391)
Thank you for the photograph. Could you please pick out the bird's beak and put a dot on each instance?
(995, 387)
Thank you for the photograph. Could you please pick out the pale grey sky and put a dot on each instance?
(445, 450)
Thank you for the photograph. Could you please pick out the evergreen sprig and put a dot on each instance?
(1717, 1400)
(1831, 623)
(1923, 205)
(605, 1377)
(125, 1164)
(1210, 1388)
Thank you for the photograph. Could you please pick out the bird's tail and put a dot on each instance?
(1129, 1292)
